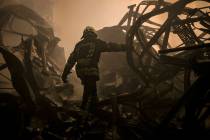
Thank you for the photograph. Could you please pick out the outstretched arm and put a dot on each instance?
(112, 47)
(69, 65)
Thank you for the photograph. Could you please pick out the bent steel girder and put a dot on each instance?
(144, 60)
(140, 40)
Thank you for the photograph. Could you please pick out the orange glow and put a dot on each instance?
(70, 17)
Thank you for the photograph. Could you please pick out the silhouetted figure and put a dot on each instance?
(86, 55)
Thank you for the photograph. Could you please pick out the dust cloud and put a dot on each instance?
(71, 17)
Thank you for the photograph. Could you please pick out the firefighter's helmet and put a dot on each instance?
(89, 31)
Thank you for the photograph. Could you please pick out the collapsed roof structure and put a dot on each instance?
(164, 42)
(37, 26)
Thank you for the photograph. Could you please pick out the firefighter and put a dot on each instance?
(86, 55)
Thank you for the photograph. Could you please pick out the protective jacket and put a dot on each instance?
(86, 55)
